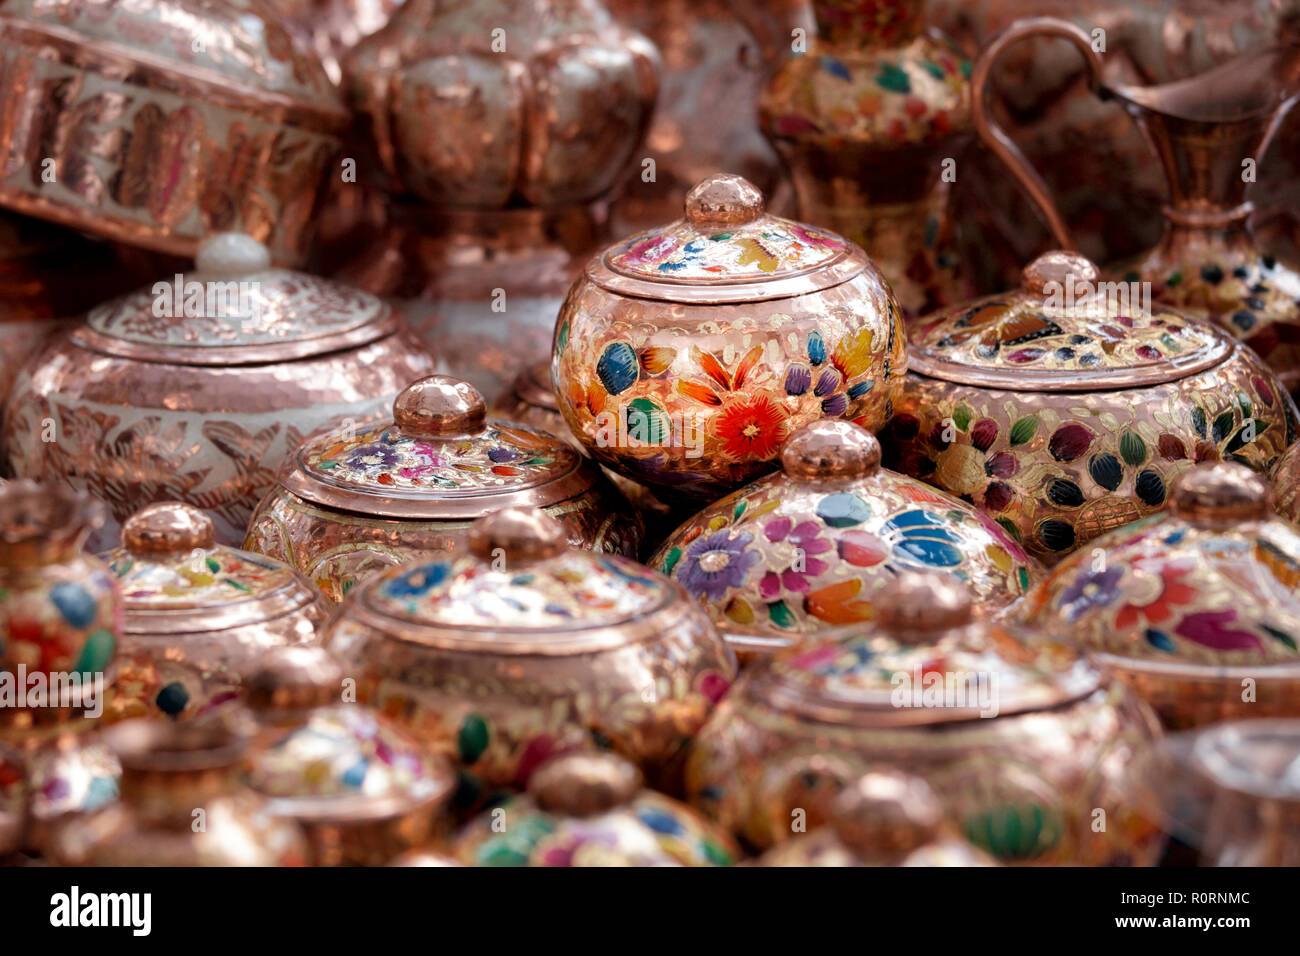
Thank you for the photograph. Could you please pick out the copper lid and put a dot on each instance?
(174, 578)
(727, 248)
(151, 747)
(233, 308)
(1063, 330)
(294, 678)
(887, 812)
(585, 784)
(439, 457)
(924, 637)
(519, 590)
(1260, 758)
(45, 518)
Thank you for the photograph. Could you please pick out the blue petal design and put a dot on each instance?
(937, 553)
(75, 603)
(843, 510)
(816, 348)
(617, 367)
(861, 388)
(1159, 640)
(835, 68)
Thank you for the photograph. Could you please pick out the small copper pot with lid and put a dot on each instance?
(685, 355)
(197, 612)
(1065, 408)
(526, 646)
(360, 787)
(592, 809)
(351, 503)
(805, 552)
(1196, 609)
(195, 389)
(1023, 740)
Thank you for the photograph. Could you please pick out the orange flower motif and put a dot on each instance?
(1173, 592)
(752, 427)
(852, 356)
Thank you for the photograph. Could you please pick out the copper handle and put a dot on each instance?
(999, 141)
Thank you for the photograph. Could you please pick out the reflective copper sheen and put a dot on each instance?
(585, 784)
(1221, 494)
(830, 452)
(167, 527)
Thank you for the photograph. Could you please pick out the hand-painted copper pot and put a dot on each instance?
(886, 818)
(869, 121)
(352, 503)
(157, 123)
(1065, 408)
(1023, 741)
(807, 551)
(1196, 609)
(1254, 816)
(360, 787)
(592, 809)
(182, 805)
(197, 613)
(685, 355)
(1208, 131)
(1286, 484)
(195, 389)
(525, 647)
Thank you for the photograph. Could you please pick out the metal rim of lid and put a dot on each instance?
(1219, 753)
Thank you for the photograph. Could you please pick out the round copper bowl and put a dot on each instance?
(1196, 609)
(685, 355)
(195, 389)
(351, 502)
(197, 612)
(806, 552)
(1026, 745)
(524, 647)
(161, 122)
(1066, 408)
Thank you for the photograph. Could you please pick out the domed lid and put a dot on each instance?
(808, 549)
(926, 661)
(1211, 584)
(174, 577)
(727, 248)
(235, 309)
(44, 522)
(519, 589)
(1259, 758)
(1063, 330)
(328, 759)
(439, 457)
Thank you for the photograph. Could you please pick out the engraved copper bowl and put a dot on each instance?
(685, 355)
(525, 647)
(592, 809)
(195, 389)
(1196, 608)
(805, 552)
(182, 805)
(1065, 408)
(160, 122)
(886, 818)
(362, 789)
(197, 613)
(1026, 744)
(352, 503)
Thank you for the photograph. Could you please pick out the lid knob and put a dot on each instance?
(517, 534)
(232, 254)
(723, 200)
(440, 406)
(293, 678)
(585, 784)
(887, 812)
(1219, 493)
(830, 450)
(168, 527)
(1054, 272)
(920, 604)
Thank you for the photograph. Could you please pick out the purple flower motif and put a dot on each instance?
(797, 379)
(714, 565)
(502, 455)
(1095, 589)
(795, 578)
(368, 456)
(827, 383)
(836, 405)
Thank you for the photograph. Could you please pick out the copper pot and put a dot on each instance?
(350, 504)
(195, 389)
(1066, 408)
(807, 551)
(1286, 484)
(1022, 741)
(685, 355)
(157, 123)
(592, 809)
(1196, 609)
(196, 613)
(362, 789)
(525, 647)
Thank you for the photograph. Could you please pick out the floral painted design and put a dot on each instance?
(64, 622)
(219, 575)
(768, 248)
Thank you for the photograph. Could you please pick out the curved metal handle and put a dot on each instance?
(999, 141)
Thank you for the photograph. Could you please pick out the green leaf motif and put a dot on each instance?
(1132, 448)
(472, 739)
(670, 560)
(780, 614)
(646, 422)
(961, 417)
(1011, 528)
(1023, 430)
(740, 509)
(1282, 636)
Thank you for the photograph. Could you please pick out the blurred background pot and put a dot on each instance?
(195, 389)
(352, 503)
